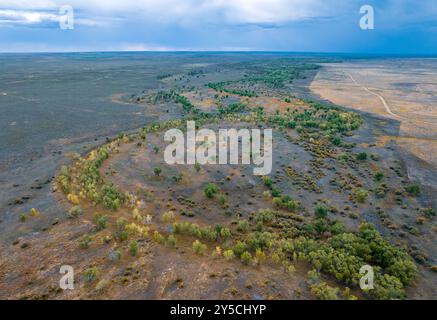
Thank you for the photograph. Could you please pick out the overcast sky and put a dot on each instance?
(401, 26)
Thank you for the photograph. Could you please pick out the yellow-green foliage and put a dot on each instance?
(168, 216)
(171, 240)
(199, 247)
(228, 255)
(344, 254)
(159, 238)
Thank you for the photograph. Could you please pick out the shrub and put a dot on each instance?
(217, 252)
(197, 167)
(168, 216)
(34, 212)
(387, 287)
(210, 190)
(222, 200)
(74, 212)
(199, 247)
(277, 202)
(264, 216)
(336, 141)
(228, 255)
(106, 239)
(101, 221)
(243, 225)
(225, 233)
(267, 181)
(258, 240)
(112, 198)
(362, 156)
(379, 176)
(159, 238)
(321, 211)
(267, 194)
(260, 256)
(171, 240)
(85, 241)
(114, 256)
(361, 195)
(324, 292)
(285, 202)
(413, 190)
(74, 199)
(239, 248)
(157, 171)
(102, 285)
(276, 192)
(429, 212)
(91, 274)
(121, 233)
(246, 257)
(133, 248)
(178, 178)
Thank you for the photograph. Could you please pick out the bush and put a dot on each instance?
(361, 195)
(210, 190)
(413, 190)
(102, 285)
(267, 181)
(197, 167)
(321, 211)
(228, 255)
(429, 212)
(171, 240)
(243, 225)
(285, 202)
(264, 216)
(168, 216)
(199, 247)
(91, 274)
(379, 176)
(85, 241)
(133, 248)
(324, 292)
(157, 171)
(101, 221)
(112, 198)
(75, 211)
(106, 239)
(258, 240)
(159, 238)
(121, 233)
(362, 156)
(225, 233)
(217, 252)
(222, 200)
(336, 141)
(387, 287)
(246, 257)
(178, 178)
(276, 192)
(239, 248)
(260, 256)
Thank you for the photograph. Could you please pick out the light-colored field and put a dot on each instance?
(401, 89)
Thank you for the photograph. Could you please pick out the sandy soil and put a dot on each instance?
(401, 90)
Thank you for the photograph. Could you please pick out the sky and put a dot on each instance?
(400, 26)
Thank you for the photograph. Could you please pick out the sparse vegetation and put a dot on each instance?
(290, 232)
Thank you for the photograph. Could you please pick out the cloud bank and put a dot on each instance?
(292, 25)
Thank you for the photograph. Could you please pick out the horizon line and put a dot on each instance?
(228, 51)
